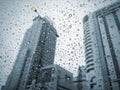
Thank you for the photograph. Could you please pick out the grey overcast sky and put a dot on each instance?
(16, 17)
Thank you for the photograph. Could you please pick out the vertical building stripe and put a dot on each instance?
(105, 70)
(112, 50)
(116, 21)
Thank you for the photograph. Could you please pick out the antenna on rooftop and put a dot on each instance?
(35, 10)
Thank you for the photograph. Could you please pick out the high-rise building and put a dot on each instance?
(102, 48)
(37, 50)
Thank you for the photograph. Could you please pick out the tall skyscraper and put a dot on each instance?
(102, 48)
(37, 50)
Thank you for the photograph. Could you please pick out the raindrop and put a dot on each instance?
(5, 61)
(70, 26)
(13, 33)
(1, 22)
(0, 56)
(70, 15)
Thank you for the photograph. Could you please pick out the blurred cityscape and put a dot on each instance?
(34, 68)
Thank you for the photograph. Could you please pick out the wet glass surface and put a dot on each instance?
(67, 15)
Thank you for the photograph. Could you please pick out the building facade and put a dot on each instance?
(37, 50)
(54, 77)
(81, 78)
(102, 48)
